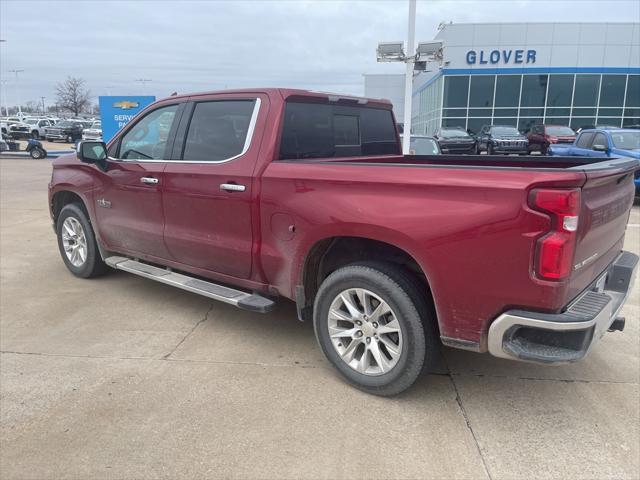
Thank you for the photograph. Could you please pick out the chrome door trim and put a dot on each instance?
(247, 142)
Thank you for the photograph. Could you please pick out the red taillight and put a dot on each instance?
(554, 251)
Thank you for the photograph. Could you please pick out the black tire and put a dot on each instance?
(37, 153)
(489, 149)
(416, 317)
(69, 139)
(93, 266)
(35, 134)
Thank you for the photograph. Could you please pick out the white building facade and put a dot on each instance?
(521, 74)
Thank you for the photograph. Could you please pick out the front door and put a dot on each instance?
(128, 195)
(207, 193)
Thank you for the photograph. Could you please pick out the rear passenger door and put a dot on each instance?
(208, 190)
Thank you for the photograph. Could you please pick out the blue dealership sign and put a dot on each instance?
(116, 112)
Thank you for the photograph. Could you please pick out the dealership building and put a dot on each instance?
(520, 74)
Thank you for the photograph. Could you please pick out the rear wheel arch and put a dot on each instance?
(330, 254)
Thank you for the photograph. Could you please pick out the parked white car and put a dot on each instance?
(94, 132)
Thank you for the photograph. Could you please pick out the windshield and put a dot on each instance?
(97, 125)
(31, 122)
(64, 123)
(626, 140)
(453, 133)
(424, 146)
(566, 131)
(504, 131)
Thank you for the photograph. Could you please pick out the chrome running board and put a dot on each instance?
(247, 301)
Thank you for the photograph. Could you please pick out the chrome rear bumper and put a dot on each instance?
(567, 336)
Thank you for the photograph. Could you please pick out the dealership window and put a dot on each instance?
(525, 124)
(511, 121)
(557, 121)
(584, 112)
(586, 90)
(481, 91)
(454, 112)
(508, 90)
(218, 130)
(582, 122)
(454, 122)
(554, 111)
(479, 112)
(633, 91)
(534, 90)
(610, 121)
(560, 90)
(475, 124)
(456, 90)
(612, 90)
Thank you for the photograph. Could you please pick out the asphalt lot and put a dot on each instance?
(121, 377)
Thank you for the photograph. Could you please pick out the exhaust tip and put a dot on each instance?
(617, 324)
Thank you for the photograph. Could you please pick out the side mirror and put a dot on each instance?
(92, 152)
(598, 147)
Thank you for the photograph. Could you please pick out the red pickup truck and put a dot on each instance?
(245, 196)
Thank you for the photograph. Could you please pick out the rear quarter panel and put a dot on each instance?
(470, 230)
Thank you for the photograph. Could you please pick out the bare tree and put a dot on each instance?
(72, 95)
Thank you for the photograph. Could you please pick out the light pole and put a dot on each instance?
(394, 52)
(408, 78)
(4, 97)
(43, 111)
(4, 90)
(17, 94)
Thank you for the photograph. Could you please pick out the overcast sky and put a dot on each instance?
(206, 45)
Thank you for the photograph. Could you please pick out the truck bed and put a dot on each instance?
(465, 220)
(494, 161)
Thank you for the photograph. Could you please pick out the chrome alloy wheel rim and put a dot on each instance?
(365, 331)
(74, 241)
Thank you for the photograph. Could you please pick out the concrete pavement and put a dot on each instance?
(121, 377)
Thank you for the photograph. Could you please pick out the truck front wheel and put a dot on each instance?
(368, 319)
(77, 243)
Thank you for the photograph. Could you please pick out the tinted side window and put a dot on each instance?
(147, 139)
(600, 139)
(316, 130)
(218, 130)
(584, 141)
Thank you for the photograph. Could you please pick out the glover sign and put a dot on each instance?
(484, 57)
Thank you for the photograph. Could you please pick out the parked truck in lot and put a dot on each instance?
(604, 143)
(246, 196)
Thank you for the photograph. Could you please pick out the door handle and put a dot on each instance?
(232, 187)
(149, 180)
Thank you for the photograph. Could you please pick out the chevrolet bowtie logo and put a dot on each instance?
(126, 104)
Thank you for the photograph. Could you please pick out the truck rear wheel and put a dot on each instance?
(77, 243)
(368, 319)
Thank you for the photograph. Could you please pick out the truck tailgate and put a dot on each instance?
(607, 196)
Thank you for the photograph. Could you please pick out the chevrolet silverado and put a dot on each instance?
(249, 195)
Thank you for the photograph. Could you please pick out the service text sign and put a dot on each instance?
(116, 112)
